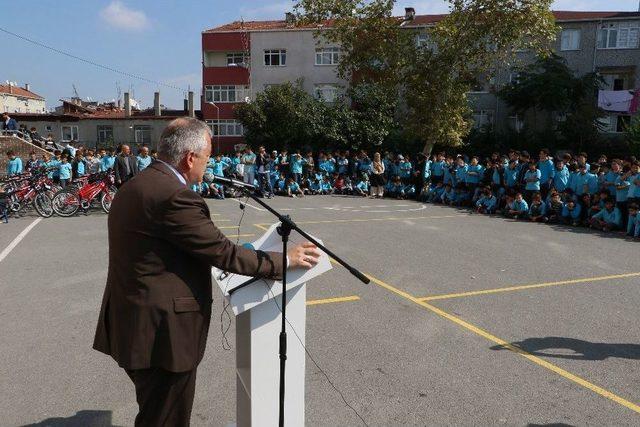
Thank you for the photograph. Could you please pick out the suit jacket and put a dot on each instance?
(10, 125)
(157, 301)
(120, 168)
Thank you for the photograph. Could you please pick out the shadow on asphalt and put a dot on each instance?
(80, 419)
(582, 350)
(550, 425)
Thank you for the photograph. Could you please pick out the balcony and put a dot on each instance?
(225, 75)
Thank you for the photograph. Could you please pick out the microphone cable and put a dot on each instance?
(322, 371)
(224, 328)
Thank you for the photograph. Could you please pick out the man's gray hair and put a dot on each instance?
(182, 136)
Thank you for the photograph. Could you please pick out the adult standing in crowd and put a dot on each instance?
(144, 159)
(125, 166)
(377, 176)
(157, 302)
(9, 123)
(249, 162)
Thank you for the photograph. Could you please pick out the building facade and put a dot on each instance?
(241, 59)
(105, 125)
(16, 99)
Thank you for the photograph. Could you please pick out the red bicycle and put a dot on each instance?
(30, 190)
(69, 200)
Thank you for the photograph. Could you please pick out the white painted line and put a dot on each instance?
(248, 205)
(18, 239)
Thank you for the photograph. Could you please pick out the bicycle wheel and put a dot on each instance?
(107, 198)
(66, 203)
(43, 205)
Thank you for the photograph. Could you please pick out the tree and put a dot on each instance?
(474, 39)
(282, 116)
(287, 116)
(548, 86)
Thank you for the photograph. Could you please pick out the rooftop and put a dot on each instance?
(19, 91)
(561, 16)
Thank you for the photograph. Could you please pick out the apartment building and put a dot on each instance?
(16, 99)
(241, 59)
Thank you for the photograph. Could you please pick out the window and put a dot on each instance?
(483, 119)
(326, 93)
(623, 35)
(422, 40)
(328, 56)
(237, 58)
(223, 93)
(514, 77)
(105, 133)
(516, 123)
(69, 133)
(570, 40)
(275, 57)
(142, 134)
(225, 127)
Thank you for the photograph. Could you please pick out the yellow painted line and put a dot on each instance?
(228, 227)
(229, 236)
(333, 300)
(261, 227)
(223, 220)
(537, 360)
(337, 221)
(523, 287)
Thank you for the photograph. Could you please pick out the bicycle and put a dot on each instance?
(69, 200)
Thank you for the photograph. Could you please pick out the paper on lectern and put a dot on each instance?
(264, 290)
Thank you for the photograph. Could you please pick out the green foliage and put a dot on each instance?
(550, 87)
(475, 38)
(632, 135)
(287, 116)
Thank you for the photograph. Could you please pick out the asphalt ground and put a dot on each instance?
(468, 320)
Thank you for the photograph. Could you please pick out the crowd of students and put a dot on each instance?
(565, 189)
(72, 163)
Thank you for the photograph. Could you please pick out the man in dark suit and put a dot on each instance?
(9, 123)
(125, 166)
(156, 307)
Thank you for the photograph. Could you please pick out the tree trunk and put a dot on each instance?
(428, 147)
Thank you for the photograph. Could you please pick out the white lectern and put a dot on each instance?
(258, 322)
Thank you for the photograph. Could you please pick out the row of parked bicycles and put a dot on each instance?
(36, 190)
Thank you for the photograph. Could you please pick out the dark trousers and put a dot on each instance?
(164, 398)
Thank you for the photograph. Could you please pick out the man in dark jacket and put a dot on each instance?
(125, 166)
(156, 307)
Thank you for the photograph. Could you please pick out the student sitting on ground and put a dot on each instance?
(633, 224)
(434, 194)
(338, 184)
(362, 187)
(395, 188)
(216, 191)
(293, 188)
(463, 197)
(325, 186)
(571, 212)
(608, 218)
(519, 208)
(449, 195)
(281, 186)
(487, 202)
(554, 207)
(538, 209)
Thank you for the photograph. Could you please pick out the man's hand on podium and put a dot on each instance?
(305, 255)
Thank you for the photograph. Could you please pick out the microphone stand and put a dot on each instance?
(284, 230)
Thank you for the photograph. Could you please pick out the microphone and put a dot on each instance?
(233, 182)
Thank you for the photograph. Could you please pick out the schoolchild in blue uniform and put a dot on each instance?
(487, 203)
(633, 224)
(519, 208)
(607, 219)
(538, 209)
(572, 213)
(560, 176)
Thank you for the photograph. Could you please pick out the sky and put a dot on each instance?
(159, 40)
